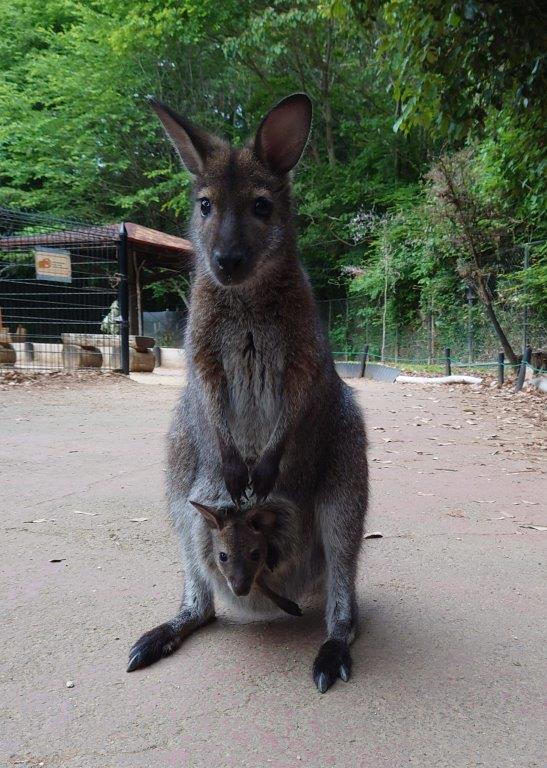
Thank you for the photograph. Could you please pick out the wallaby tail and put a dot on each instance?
(284, 603)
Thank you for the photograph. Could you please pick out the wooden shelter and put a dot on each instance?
(149, 251)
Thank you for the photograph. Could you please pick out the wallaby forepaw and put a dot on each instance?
(236, 476)
(152, 646)
(333, 661)
(264, 474)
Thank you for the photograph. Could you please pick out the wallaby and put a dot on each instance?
(263, 402)
(243, 547)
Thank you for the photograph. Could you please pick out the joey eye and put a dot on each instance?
(255, 554)
(205, 204)
(262, 207)
(223, 557)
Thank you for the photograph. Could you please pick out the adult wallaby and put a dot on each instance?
(263, 402)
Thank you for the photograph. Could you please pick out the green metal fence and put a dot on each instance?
(465, 328)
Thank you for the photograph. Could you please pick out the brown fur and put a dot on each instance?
(242, 547)
(263, 405)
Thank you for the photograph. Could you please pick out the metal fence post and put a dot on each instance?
(526, 358)
(501, 368)
(447, 365)
(364, 357)
(123, 299)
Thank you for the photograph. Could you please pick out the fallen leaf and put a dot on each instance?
(374, 535)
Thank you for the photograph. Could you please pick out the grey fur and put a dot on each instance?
(277, 395)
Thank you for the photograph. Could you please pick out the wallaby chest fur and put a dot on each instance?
(251, 341)
(253, 357)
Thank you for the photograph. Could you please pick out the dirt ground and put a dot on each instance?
(448, 667)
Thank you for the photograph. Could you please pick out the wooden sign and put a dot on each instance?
(53, 264)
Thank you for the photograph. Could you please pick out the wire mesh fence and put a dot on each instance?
(167, 327)
(465, 327)
(60, 288)
(58, 294)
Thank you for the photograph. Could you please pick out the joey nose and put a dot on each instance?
(241, 586)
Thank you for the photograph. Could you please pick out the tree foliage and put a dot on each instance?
(396, 85)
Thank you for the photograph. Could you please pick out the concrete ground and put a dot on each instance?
(448, 667)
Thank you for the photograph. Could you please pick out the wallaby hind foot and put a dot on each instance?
(332, 662)
(164, 639)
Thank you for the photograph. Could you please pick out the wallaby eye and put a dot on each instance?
(223, 557)
(255, 554)
(205, 206)
(263, 207)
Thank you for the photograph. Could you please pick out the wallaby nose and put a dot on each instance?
(241, 586)
(228, 261)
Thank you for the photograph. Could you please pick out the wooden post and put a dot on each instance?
(123, 299)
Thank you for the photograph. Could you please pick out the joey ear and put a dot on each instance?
(192, 144)
(262, 517)
(282, 135)
(213, 517)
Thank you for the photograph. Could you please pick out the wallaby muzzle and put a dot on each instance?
(231, 266)
(240, 585)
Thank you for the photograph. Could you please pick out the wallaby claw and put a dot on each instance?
(134, 662)
(332, 661)
(153, 645)
(321, 683)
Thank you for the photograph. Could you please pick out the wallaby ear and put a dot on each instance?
(193, 144)
(262, 517)
(213, 517)
(283, 133)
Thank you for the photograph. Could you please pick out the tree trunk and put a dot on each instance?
(397, 159)
(325, 99)
(507, 348)
(384, 313)
(329, 134)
